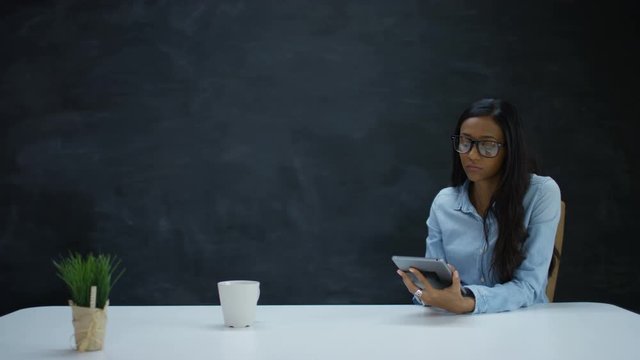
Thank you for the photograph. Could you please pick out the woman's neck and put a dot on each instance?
(480, 194)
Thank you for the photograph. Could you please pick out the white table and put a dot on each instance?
(542, 332)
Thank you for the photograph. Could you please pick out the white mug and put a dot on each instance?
(239, 299)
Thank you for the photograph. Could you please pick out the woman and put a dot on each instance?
(496, 225)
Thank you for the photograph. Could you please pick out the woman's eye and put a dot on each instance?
(489, 145)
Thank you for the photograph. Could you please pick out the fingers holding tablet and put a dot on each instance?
(426, 285)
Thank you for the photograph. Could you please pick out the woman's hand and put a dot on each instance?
(450, 298)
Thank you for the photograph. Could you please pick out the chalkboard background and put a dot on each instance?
(299, 143)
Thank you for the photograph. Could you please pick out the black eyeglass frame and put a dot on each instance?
(477, 145)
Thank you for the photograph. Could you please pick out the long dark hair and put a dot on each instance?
(506, 203)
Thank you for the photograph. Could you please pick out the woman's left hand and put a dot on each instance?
(449, 298)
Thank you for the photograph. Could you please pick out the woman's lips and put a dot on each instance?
(472, 168)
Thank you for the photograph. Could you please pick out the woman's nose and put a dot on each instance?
(473, 153)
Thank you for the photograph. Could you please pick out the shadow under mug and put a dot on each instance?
(239, 300)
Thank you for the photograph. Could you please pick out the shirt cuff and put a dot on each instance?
(480, 298)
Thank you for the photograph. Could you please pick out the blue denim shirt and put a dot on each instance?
(456, 235)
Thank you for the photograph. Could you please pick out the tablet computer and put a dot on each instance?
(436, 271)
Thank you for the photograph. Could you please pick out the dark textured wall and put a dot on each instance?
(299, 143)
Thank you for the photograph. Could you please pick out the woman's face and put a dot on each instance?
(477, 167)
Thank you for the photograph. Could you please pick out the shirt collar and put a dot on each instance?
(463, 202)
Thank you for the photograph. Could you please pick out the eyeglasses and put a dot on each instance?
(486, 148)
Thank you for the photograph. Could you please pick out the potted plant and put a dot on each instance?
(90, 279)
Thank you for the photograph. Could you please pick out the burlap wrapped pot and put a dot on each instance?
(89, 326)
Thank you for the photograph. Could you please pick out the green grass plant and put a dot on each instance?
(80, 273)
